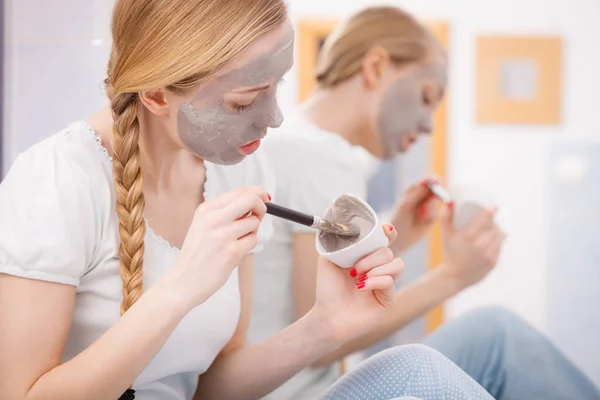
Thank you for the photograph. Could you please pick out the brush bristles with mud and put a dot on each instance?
(337, 228)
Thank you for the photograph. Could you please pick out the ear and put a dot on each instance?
(374, 64)
(155, 101)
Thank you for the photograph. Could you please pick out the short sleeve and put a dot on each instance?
(47, 221)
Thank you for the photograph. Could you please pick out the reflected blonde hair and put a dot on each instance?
(400, 34)
(173, 44)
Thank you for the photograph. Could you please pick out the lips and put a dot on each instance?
(249, 148)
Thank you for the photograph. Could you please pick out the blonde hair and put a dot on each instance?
(173, 44)
(400, 34)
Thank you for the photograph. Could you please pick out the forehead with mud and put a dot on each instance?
(346, 210)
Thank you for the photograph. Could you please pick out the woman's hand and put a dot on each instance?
(349, 302)
(222, 232)
(415, 213)
(473, 251)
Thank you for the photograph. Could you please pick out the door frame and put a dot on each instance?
(311, 33)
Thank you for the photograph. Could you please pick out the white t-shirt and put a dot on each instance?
(312, 167)
(59, 224)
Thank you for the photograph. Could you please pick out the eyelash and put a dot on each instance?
(247, 107)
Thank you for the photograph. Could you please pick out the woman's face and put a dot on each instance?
(406, 102)
(225, 118)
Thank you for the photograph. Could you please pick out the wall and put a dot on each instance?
(56, 55)
(58, 52)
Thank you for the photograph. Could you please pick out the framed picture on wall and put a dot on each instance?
(312, 33)
(519, 80)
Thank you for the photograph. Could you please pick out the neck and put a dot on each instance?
(161, 158)
(336, 110)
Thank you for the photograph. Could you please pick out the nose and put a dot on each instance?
(272, 119)
(426, 125)
(277, 117)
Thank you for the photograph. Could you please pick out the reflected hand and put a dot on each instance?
(472, 252)
(415, 213)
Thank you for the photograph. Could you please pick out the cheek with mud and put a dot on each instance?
(400, 113)
(346, 210)
(214, 130)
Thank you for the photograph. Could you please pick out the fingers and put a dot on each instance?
(375, 259)
(393, 269)
(483, 220)
(446, 218)
(226, 198)
(246, 244)
(417, 193)
(376, 283)
(390, 232)
(430, 209)
(495, 246)
(252, 202)
(485, 238)
(243, 227)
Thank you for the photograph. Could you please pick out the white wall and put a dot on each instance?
(55, 70)
(56, 54)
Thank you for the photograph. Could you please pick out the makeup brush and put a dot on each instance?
(311, 221)
(440, 192)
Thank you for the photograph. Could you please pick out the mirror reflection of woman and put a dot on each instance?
(381, 75)
(127, 244)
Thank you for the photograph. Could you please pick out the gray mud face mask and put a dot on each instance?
(213, 130)
(402, 111)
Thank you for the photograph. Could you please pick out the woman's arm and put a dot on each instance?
(409, 303)
(38, 317)
(252, 371)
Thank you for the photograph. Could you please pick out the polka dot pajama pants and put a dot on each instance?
(403, 373)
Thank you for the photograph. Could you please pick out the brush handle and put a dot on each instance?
(290, 215)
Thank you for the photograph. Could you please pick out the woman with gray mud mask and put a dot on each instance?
(381, 75)
(121, 235)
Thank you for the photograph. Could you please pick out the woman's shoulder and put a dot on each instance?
(53, 204)
(69, 158)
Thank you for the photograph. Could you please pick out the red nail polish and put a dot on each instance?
(363, 278)
(269, 196)
(360, 285)
(353, 272)
(390, 228)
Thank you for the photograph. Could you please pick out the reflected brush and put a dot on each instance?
(440, 192)
(312, 221)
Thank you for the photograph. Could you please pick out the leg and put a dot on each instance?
(509, 358)
(406, 372)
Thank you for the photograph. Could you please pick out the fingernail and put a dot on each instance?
(269, 196)
(353, 272)
(425, 184)
(360, 285)
(362, 278)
